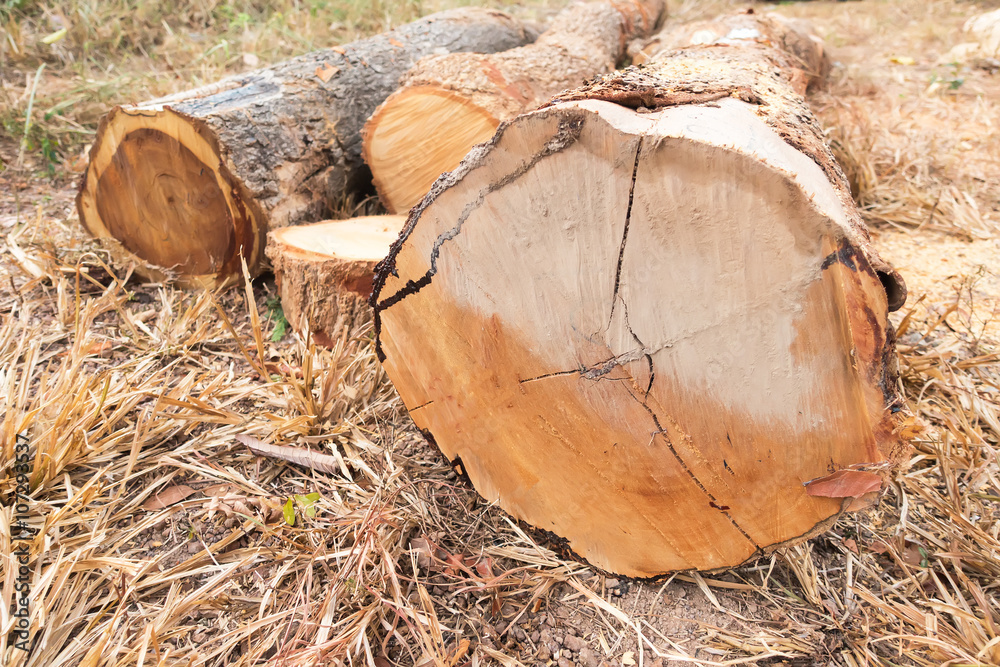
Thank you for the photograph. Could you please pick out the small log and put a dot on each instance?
(648, 318)
(324, 272)
(449, 103)
(185, 184)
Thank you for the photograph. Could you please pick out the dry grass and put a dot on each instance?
(164, 541)
(918, 136)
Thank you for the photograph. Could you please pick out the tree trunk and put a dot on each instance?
(449, 103)
(647, 317)
(324, 272)
(805, 62)
(186, 183)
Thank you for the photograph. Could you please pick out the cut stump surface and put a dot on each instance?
(649, 331)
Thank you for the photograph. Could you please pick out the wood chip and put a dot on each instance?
(326, 71)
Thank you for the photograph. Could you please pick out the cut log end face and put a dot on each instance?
(405, 164)
(324, 271)
(646, 337)
(158, 186)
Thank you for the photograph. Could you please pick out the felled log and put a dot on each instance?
(648, 318)
(187, 183)
(324, 272)
(448, 103)
(806, 61)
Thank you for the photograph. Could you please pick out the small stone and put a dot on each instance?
(574, 643)
(588, 658)
(544, 653)
(534, 636)
(564, 662)
(518, 633)
(193, 547)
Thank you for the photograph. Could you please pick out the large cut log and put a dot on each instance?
(648, 318)
(324, 272)
(448, 103)
(185, 184)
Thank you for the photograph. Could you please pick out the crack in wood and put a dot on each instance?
(644, 351)
(567, 133)
(713, 501)
(551, 375)
(665, 436)
(628, 220)
(422, 405)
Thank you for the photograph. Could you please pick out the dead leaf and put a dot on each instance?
(844, 484)
(219, 489)
(915, 555)
(303, 457)
(101, 348)
(168, 496)
(283, 369)
(424, 550)
(495, 606)
(879, 546)
(851, 544)
(485, 568)
(456, 564)
(326, 71)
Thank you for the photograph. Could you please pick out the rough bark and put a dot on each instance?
(324, 272)
(186, 183)
(449, 103)
(647, 317)
(806, 63)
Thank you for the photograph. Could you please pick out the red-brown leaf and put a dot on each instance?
(168, 497)
(845, 484)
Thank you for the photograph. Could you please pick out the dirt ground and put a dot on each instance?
(159, 538)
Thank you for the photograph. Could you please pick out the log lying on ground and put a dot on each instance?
(449, 103)
(648, 318)
(806, 64)
(324, 271)
(186, 183)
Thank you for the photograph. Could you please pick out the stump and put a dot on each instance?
(324, 272)
(185, 184)
(648, 318)
(449, 103)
